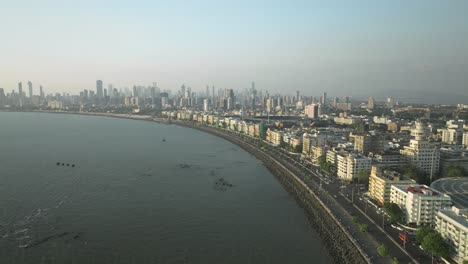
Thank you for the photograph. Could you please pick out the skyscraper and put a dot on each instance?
(153, 94)
(213, 95)
(313, 110)
(135, 91)
(324, 98)
(110, 90)
(30, 89)
(2, 97)
(182, 90)
(20, 91)
(371, 103)
(206, 105)
(99, 90)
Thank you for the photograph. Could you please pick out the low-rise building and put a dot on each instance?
(55, 104)
(420, 203)
(332, 155)
(381, 181)
(310, 140)
(465, 139)
(453, 156)
(365, 143)
(274, 136)
(316, 152)
(389, 159)
(347, 120)
(350, 165)
(452, 224)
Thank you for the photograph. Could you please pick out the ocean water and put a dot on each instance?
(127, 191)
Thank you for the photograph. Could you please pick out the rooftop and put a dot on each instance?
(393, 176)
(458, 215)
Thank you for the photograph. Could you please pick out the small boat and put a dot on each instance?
(164, 140)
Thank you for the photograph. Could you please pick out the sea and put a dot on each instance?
(89, 189)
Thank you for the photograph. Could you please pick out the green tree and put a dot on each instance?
(363, 228)
(322, 160)
(382, 250)
(394, 211)
(395, 261)
(417, 175)
(354, 219)
(456, 171)
(283, 144)
(362, 177)
(434, 243)
(422, 232)
(324, 165)
(298, 148)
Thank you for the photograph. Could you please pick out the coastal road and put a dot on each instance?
(342, 209)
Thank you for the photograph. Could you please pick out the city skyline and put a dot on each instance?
(380, 49)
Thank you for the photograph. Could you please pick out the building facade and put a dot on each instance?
(350, 165)
(421, 153)
(381, 181)
(420, 203)
(452, 225)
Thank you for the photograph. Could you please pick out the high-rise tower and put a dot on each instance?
(30, 88)
(99, 90)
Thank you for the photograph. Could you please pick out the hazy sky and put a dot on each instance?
(353, 47)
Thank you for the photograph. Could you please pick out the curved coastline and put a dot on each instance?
(339, 244)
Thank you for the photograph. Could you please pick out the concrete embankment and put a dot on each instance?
(340, 248)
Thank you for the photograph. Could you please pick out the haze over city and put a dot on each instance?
(234, 132)
(393, 48)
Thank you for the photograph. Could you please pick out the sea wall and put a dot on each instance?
(340, 248)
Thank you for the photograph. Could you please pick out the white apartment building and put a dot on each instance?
(316, 152)
(465, 139)
(313, 110)
(453, 136)
(422, 153)
(381, 181)
(274, 136)
(310, 140)
(350, 165)
(452, 224)
(419, 202)
(55, 104)
(332, 155)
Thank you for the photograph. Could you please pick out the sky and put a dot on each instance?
(409, 49)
